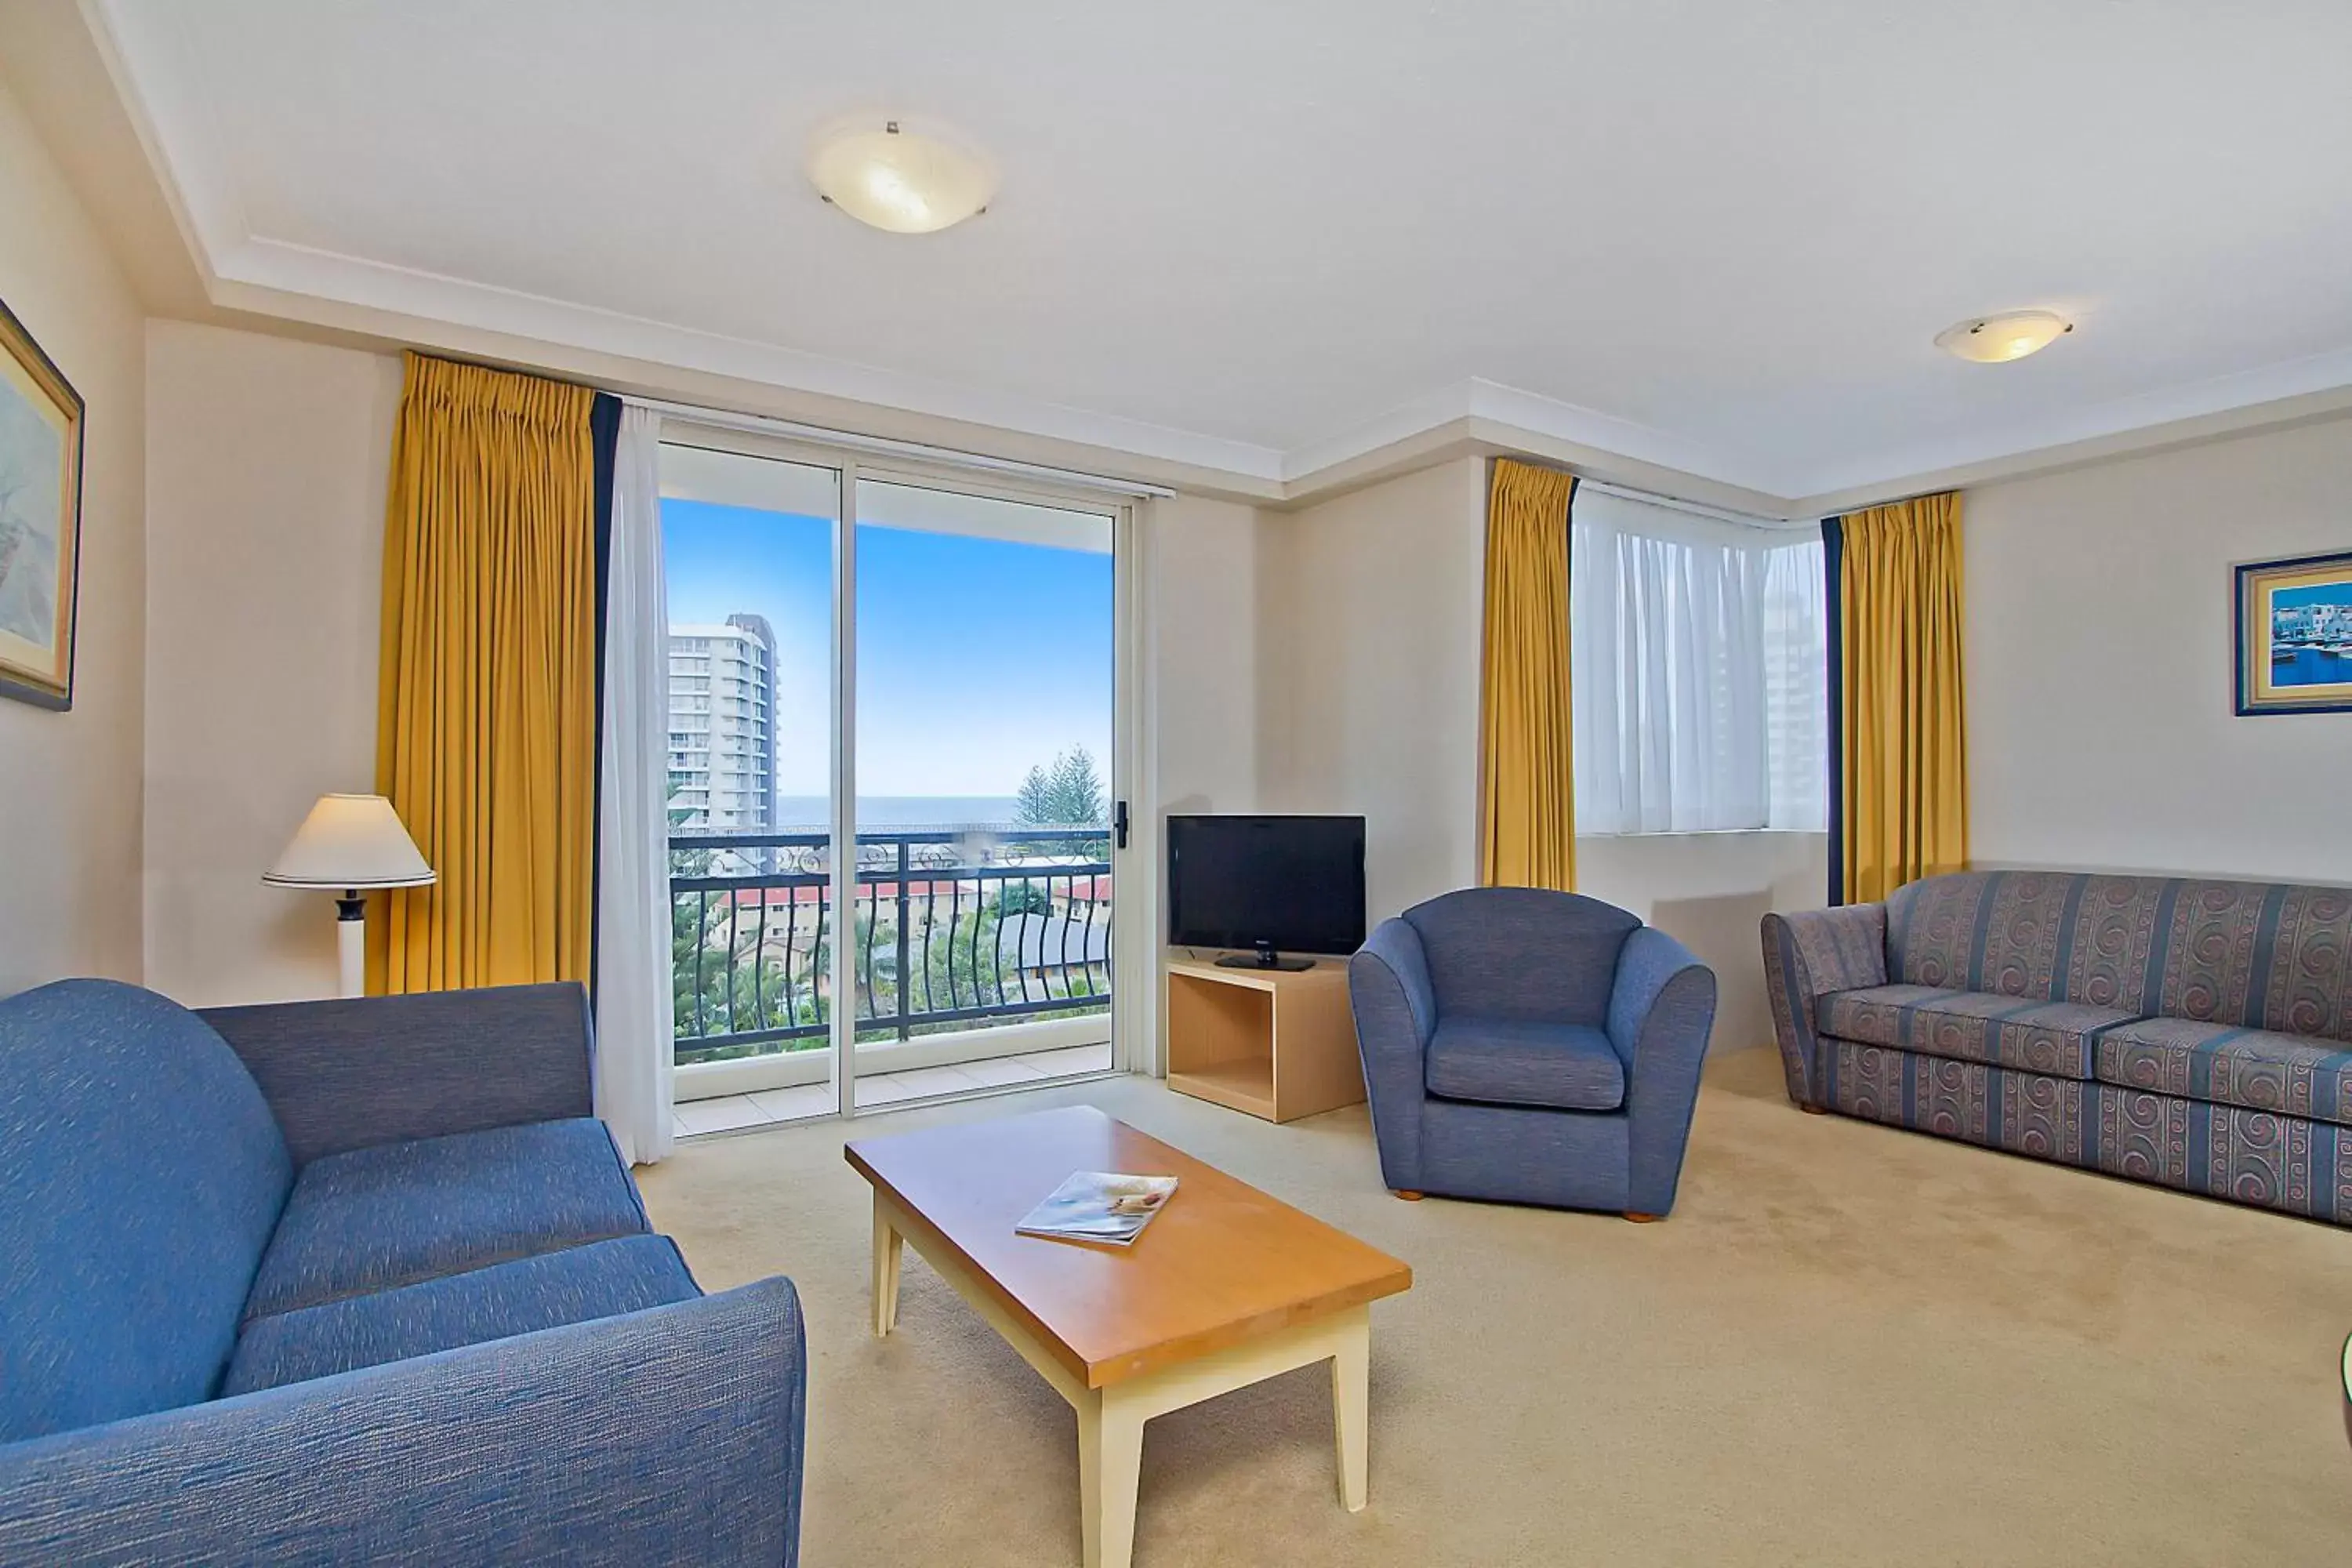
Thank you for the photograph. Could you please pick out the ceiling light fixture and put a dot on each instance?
(900, 180)
(1996, 340)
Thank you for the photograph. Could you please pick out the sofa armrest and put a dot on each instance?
(666, 1435)
(350, 1074)
(1661, 1012)
(1396, 1012)
(1807, 956)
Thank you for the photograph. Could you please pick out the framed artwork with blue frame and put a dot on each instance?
(40, 521)
(2295, 635)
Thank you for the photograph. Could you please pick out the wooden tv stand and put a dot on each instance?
(1279, 1043)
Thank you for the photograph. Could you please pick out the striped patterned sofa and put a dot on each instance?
(2195, 1034)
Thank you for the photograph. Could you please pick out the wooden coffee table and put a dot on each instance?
(1226, 1286)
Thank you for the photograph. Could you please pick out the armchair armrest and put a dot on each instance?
(1396, 1012)
(1661, 1012)
(1807, 956)
(350, 1074)
(666, 1435)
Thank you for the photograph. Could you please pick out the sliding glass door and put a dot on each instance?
(926, 674)
(984, 730)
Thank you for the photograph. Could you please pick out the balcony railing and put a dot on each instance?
(953, 928)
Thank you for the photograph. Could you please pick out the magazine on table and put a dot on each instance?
(1100, 1206)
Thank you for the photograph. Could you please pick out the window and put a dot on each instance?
(1699, 670)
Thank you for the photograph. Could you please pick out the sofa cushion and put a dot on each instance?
(2055, 1038)
(1512, 1061)
(2224, 1065)
(375, 1218)
(599, 1279)
(145, 1174)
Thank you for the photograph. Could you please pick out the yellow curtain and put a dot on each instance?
(1527, 784)
(1904, 739)
(486, 737)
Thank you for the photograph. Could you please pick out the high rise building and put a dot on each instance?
(722, 735)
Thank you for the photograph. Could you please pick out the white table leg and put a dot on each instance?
(1351, 1369)
(1110, 1465)
(888, 1244)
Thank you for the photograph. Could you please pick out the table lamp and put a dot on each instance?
(350, 843)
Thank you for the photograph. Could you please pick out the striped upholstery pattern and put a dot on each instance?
(2212, 1021)
(2055, 1037)
(374, 1218)
(2231, 1066)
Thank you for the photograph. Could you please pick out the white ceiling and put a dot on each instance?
(1712, 235)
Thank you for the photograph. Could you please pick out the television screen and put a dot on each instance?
(1294, 884)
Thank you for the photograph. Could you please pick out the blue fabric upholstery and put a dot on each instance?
(374, 1218)
(1486, 1016)
(144, 1177)
(1521, 953)
(600, 1279)
(1516, 1061)
(667, 1437)
(617, 1418)
(2177, 1030)
(349, 1074)
(2054, 1038)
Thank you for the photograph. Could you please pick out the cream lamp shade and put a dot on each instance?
(347, 843)
(350, 841)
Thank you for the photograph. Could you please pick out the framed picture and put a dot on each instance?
(2295, 635)
(40, 521)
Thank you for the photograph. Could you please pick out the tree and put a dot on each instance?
(1069, 794)
(1034, 803)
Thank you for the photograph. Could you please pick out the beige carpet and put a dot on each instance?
(1848, 1345)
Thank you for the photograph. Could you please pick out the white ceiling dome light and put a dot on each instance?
(898, 178)
(1996, 340)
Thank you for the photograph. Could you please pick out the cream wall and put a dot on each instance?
(2099, 684)
(69, 783)
(1369, 614)
(1367, 686)
(269, 460)
(1200, 582)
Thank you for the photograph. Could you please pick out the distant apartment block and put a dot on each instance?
(722, 734)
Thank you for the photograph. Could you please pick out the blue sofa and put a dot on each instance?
(2196, 1033)
(341, 1282)
(1531, 1047)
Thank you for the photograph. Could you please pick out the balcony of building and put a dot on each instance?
(979, 959)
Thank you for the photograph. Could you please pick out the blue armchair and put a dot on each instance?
(1531, 1047)
(360, 1282)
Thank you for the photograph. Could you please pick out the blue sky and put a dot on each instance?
(2318, 593)
(976, 658)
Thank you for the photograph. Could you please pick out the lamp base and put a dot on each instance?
(351, 941)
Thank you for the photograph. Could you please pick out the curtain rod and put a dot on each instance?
(1698, 509)
(763, 425)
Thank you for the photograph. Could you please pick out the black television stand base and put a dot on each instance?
(1265, 958)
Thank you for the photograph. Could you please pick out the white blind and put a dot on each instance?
(1698, 672)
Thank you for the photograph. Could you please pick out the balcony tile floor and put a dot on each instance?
(769, 1107)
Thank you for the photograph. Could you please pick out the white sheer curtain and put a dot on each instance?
(634, 1032)
(1698, 669)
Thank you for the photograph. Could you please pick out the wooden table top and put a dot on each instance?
(1221, 1264)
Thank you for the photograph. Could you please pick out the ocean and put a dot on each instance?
(799, 812)
(2311, 667)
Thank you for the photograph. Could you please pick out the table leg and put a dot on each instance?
(888, 1245)
(1110, 1464)
(1352, 1366)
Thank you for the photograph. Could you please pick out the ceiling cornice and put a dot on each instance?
(396, 306)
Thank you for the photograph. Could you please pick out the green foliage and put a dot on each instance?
(1070, 792)
(1023, 898)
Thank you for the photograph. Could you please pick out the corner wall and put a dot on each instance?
(269, 459)
(1369, 614)
(69, 783)
(2099, 673)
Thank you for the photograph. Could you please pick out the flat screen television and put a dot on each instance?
(1271, 884)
